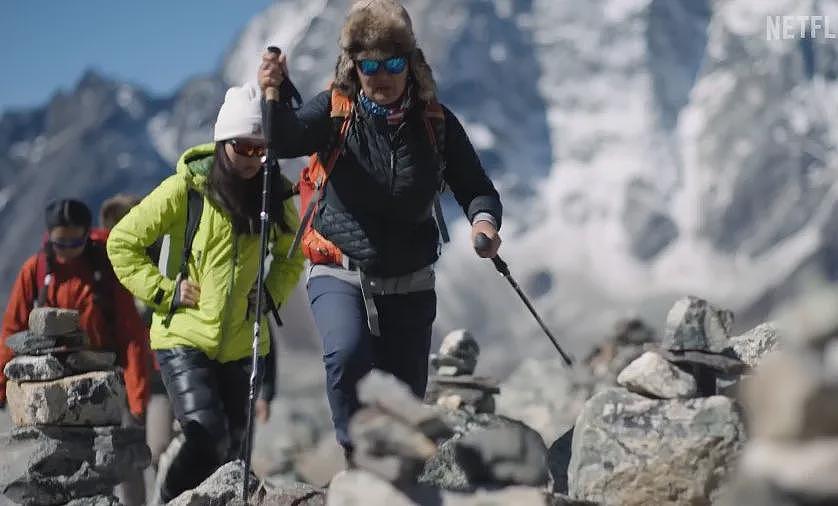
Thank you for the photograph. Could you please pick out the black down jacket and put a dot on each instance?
(377, 206)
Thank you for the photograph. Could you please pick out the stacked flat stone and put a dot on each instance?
(454, 385)
(66, 403)
(394, 434)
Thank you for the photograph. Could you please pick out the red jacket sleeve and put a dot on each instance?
(132, 336)
(16, 318)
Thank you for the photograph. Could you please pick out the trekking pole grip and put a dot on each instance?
(272, 93)
(482, 243)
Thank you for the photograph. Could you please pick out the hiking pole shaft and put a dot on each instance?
(483, 243)
(272, 95)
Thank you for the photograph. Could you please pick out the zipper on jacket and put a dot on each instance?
(228, 303)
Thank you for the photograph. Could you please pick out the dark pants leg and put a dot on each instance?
(350, 351)
(234, 381)
(339, 313)
(405, 343)
(209, 400)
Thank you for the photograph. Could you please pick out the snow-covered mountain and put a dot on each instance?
(644, 149)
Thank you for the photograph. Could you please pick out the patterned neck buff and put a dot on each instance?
(394, 115)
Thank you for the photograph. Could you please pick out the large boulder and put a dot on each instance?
(90, 399)
(651, 375)
(34, 368)
(628, 449)
(53, 465)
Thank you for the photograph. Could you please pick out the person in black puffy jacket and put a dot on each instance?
(375, 309)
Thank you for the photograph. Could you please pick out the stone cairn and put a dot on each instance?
(666, 437)
(66, 403)
(453, 384)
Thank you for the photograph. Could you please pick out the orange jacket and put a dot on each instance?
(72, 288)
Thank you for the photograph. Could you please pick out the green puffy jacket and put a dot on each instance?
(223, 263)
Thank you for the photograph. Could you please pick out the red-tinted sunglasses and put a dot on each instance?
(247, 148)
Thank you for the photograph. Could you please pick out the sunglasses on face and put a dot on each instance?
(69, 243)
(247, 148)
(394, 65)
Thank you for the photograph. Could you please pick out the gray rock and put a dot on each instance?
(90, 360)
(388, 447)
(694, 324)
(358, 487)
(26, 343)
(223, 487)
(95, 398)
(53, 465)
(353, 488)
(98, 500)
(34, 368)
(791, 397)
(457, 355)
(628, 449)
(445, 469)
(751, 346)
(805, 469)
(652, 376)
(290, 494)
(558, 462)
(50, 321)
(501, 497)
(384, 391)
(510, 455)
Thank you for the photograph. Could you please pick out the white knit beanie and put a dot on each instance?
(241, 114)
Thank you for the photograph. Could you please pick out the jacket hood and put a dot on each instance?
(195, 164)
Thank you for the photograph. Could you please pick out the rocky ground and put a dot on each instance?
(686, 415)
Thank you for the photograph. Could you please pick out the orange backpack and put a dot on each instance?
(315, 175)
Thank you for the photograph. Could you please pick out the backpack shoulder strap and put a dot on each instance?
(434, 118)
(43, 277)
(194, 210)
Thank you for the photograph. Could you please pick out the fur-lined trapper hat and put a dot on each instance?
(380, 29)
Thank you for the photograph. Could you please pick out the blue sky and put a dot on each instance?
(46, 45)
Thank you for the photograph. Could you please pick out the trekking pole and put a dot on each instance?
(270, 165)
(483, 243)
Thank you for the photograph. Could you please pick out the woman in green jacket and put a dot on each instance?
(204, 301)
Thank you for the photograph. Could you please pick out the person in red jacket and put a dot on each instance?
(80, 276)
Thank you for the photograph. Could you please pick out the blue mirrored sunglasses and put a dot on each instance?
(70, 244)
(394, 65)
